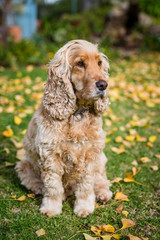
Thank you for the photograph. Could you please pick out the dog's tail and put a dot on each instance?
(28, 176)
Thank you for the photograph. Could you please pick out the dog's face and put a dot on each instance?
(87, 73)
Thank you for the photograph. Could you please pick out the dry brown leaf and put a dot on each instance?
(131, 237)
(127, 223)
(119, 208)
(22, 198)
(40, 232)
(121, 196)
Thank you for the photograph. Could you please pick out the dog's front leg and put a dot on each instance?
(85, 196)
(51, 175)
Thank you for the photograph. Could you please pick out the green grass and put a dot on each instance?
(137, 76)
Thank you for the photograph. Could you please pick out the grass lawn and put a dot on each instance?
(132, 125)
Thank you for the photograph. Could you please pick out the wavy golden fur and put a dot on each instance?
(64, 142)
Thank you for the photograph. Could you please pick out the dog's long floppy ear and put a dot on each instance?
(59, 98)
(101, 105)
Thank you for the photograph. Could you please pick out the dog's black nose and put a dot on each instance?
(101, 85)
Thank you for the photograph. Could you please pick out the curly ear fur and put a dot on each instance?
(101, 105)
(59, 99)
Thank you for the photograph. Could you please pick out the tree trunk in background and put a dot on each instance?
(87, 4)
(5, 6)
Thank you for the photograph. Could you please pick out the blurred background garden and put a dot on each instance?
(32, 30)
(128, 32)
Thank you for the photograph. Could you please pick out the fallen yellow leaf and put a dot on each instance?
(130, 138)
(107, 140)
(125, 213)
(96, 230)
(106, 237)
(118, 139)
(127, 223)
(134, 163)
(107, 228)
(152, 139)
(154, 168)
(117, 236)
(121, 196)
(157, 156)
(118, 150)
(6, 150)
(17, 120)
(22, 198)
(16, 144)
(40, 232)
(31, 195)
(8, 132)
(149, 144)
(116, 180)
(129, 178)
(145, 159)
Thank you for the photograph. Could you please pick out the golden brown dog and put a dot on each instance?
(64, 142)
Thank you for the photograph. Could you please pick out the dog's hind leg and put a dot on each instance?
(28, 177)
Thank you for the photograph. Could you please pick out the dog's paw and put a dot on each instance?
(83, 213)
(104, 195)
(48, 212)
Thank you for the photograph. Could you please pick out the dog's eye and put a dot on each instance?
(99, 63)
(80, 64)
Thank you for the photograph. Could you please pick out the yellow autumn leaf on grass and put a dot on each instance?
(106, 237)
(8, 164)
(119, 150)
(88, 237)
(40, 232)
(135, 171)
(96, 230)
(157, 156)
(116, 236)
(22, 198)
(107, 228)
(17, 120)
(134, 163)
(130, 138)
(125, 213)
(145, 159)
(121, 196)
(149, 144)
(129, 178)
(118, 139)
(8, 132)
(152, 139)
(107, 140)
(127, 223)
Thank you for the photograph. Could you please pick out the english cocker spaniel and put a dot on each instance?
(64, 142)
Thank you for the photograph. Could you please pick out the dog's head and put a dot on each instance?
(78, 71)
